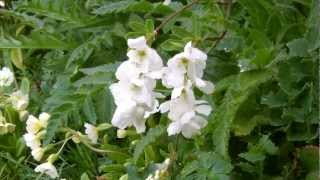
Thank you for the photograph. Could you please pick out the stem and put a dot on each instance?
(64, 143)
(173, 15)
(98, 150)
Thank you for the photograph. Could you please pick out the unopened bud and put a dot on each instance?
(121, 133)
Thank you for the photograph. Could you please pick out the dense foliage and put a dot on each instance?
(263, 57)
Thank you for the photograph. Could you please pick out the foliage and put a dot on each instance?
(263, 57)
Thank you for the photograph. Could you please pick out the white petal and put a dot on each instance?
(164, 107)
(187, 117)
(174, 128)
(204, 109)
(47, 168)
(176, 92)
(205, 86)
(138, 43)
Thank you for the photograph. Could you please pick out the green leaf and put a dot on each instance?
(95, 79)
(258, 151)
(25, 86)
(35, 41)
(150, 137)
(298, 47)
(17, 58)
(209, 165)
(237, 93)
(99, 69)
(113, 7)
(62, 10)
(309, 157)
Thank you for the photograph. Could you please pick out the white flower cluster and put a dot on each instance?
(35, 130)
(134, 92)
(161, 170)
(184, 71)
(135, 96)
(6, 77)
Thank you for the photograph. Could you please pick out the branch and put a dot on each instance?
(173, 15)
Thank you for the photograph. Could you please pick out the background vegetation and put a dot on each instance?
(263, 58)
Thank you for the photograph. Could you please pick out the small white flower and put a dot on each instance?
(128, 115)
(19, 100)
(144, 57)
(44, 118)
(37, 153)
(188, 65)
(34, 125)
(47, 168)
(166, 2)
(32, 141)
(6, 77)
(92, 132)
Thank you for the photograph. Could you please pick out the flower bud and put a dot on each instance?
(52, 158)
(37, 153)
(10, 127)
(23, 115)
(121, 133)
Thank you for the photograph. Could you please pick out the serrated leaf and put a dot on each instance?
(208, 165)
(99, 69)
(236, 94)
(35, 41)
(298, 47)
(150, 137)
(113, 7)
(258, 151)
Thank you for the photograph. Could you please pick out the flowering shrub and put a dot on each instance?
(155, 90)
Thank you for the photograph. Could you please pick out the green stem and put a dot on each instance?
(173, 15)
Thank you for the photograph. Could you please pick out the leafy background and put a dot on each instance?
(263, 58)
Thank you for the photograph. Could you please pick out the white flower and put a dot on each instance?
(2, 4)
(166, 2)
(32, 141)
(92, 132)
(186, 114)
(161, 169)
(6, 77)
(144, 57)
(47, 168)
(19, 100)
(188, 65)
(37, 153)
(44, 118)
(34, 125)
(129, 114)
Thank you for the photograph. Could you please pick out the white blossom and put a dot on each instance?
(19, 100)
(32, 140)
(92, 132)
(166, 2)
(47, 168)
(188, 65)
(186, 113)
(2, 4)
(160, 172)
(34, 125)
(134, 92)
(37, 153)
(144, 57)
(6, 77)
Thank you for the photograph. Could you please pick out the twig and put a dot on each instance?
(217, 40)
(173, 15)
